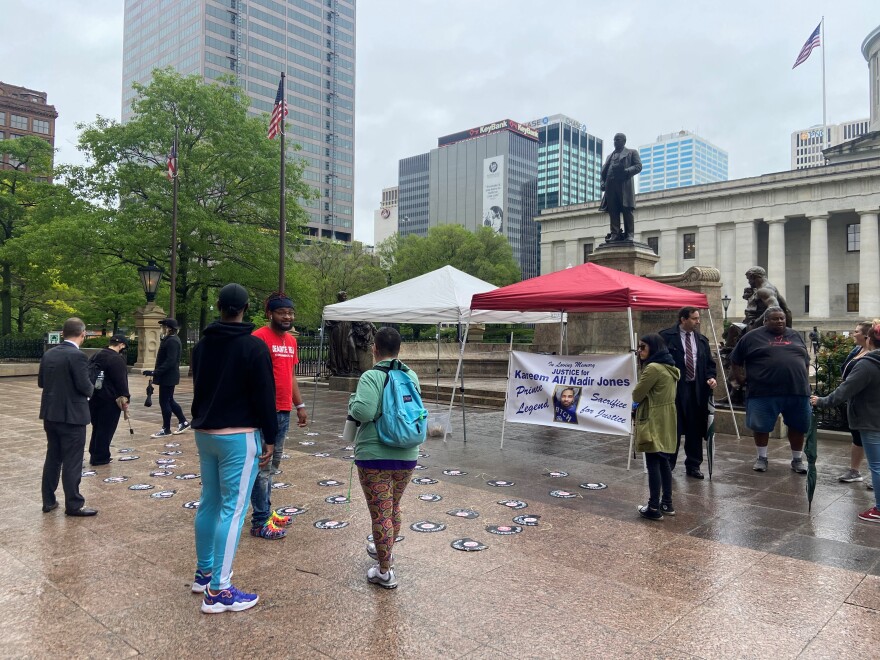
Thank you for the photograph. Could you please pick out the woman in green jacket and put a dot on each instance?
(656, 392)
(384, 471)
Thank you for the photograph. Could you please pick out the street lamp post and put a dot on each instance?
(725, 302)
(150, 276)
(146, 318)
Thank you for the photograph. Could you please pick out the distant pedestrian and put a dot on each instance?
(166, 375)
(814, 339)
(384, 471)
(64, 409)
(655, 393)
(860, 391)
(235, 427)
(108, 401)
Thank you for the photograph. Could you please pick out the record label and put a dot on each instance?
(594, 486)
(501, 483)
(513, 504)
(527, 520)
(468, 545)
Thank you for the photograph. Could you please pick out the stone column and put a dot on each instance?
(707, 252)
(776, 254)
(869, 257)
(669, 251)
(819, 303)
(746, 256)
(146, 321)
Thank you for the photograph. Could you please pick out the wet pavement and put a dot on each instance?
(743, 570)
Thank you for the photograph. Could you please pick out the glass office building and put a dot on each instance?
(312, 41)
(680, 159)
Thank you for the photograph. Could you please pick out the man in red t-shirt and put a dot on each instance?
(266, 523)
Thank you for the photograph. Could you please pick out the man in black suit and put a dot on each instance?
(692, 356)
(64, 409)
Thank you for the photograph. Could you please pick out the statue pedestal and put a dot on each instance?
(343, 383)
(148, 330)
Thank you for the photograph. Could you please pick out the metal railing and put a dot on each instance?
(312, 357)
(16, 349)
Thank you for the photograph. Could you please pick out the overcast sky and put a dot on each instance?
(427, 68)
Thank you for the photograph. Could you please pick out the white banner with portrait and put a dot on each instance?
(493, 193)
(584, 392)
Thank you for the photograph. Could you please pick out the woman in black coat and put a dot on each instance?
(108, 400)
(167, 375)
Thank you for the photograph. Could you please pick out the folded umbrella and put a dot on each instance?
(149, 400)
(811, 451)
(710, 437)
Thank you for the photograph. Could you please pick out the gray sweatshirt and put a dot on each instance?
(860, 391)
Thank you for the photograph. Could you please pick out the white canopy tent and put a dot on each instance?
(441, 296)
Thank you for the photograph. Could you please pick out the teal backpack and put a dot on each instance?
(403, 422)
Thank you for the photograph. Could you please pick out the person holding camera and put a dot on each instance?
(108, 400)
(167, 376)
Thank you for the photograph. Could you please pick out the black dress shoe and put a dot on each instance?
(696, 474)
(82, 512)
(50, 507)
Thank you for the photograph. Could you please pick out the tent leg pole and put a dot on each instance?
(437, 386)
(506, 391)
(458, 370)
(320, 370)
(561, 333)
(635, 367)
(723, 374)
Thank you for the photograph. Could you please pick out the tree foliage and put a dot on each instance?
(483, 254)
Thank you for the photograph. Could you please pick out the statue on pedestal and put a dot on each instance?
(341, 351)
(362, 335)
(618, 190)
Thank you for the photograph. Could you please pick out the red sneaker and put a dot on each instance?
(871, 515)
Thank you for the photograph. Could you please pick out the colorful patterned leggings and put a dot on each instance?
(383, 490)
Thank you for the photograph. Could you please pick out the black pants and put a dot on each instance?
(659, 479)
(614, 203)
(691, 424)
(105, 419)
(168, 405)
(64, 455)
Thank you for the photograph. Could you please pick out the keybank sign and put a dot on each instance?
(488, 129)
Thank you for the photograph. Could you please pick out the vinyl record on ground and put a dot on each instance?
(504, 530)
(555, 474)
(330, 482)
(321, 454)
(399, 538)
(284, 457)
(423, 455)
(115, 480)
(125, 450)
(420, 467)
(427, 526)
(312, 433)
(194, 504)
(161, 473)
(454, 473)
(468, 545)
(129, 457)
(306, 443)
(336, 499)
(430, 497)
(280, 485)
(165, 461)
(424, 481)
(500, 483)
(350, 457)
(89, 473)
(594, 486)
(187, 476)
(163, 494)
(171, 445)
(171, 452)
(513, 504)
(141, 487)
(329, 523)
(563, 494)
(348, 448)
(290, 510)
(468, 514)
(276, 472)
(529, 520)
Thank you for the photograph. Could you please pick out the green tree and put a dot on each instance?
(483, 254)
(228, 190)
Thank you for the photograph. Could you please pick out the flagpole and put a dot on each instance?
(824, 116)
(282, 213)
(173, 303)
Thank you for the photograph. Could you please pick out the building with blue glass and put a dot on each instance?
(680, 159)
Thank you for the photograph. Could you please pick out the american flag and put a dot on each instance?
(172, 161)
(812, 42)
(279, 112)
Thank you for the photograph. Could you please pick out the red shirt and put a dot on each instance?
(284, 354)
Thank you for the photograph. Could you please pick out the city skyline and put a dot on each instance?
(640, 69)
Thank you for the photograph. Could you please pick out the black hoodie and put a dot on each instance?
(233, 384)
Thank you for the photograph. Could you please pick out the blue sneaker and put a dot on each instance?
(228, 600)
(201, 582)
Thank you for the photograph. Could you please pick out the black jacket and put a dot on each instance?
(64, 377)
(115, 375)
(233, 384)
(704, 366)
(859, 391)
(167, 371)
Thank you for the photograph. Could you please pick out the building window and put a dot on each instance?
(807, 299)
(852, 297)
(654, 244)
(853, 238)
(588, 250)
(17, 121)
(2, 118)
(690, 246)
(41, 126)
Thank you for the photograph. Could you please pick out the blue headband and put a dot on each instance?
(278, 303)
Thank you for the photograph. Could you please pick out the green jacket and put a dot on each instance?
(656, 390)
(364, 405)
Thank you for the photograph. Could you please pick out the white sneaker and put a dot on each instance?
(388, 580)
(161, 433)
(851, 475)
(183, 426)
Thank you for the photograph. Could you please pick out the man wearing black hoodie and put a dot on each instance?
(233, 414)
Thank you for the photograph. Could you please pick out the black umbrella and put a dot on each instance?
(710, 436)
(810, 449)
(149, 400)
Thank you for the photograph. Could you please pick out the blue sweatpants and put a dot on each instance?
(229, 465)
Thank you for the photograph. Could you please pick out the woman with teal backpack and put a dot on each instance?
(384, 470)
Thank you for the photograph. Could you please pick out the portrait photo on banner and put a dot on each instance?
(584, 392)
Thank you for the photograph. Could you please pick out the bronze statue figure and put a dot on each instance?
(618, 189)
(341, 352)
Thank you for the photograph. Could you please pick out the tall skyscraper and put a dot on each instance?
(313, 41)
(680, 159)
(569, 162)
(807, 145)
(23, 112)
(484, 176)
(385, 219)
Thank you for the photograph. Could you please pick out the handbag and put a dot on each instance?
(645, 440)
